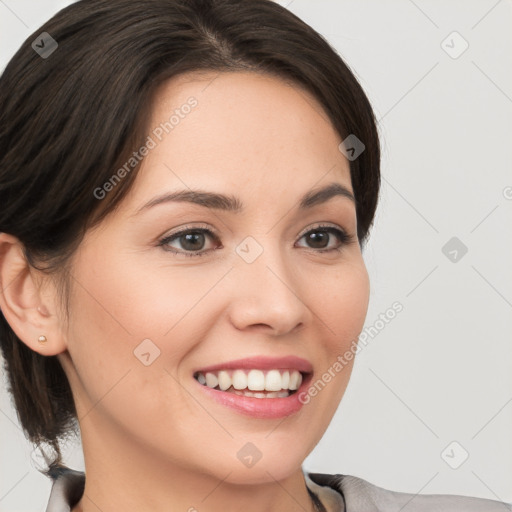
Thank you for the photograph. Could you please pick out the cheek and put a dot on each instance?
(119, 312)
(126, 302)
(122, 304)
(341, 303)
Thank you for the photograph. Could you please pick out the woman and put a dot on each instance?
(187, 188)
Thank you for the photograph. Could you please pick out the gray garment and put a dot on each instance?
(362, 496)
(337, 493)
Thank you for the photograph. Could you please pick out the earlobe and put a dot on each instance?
(21, 302)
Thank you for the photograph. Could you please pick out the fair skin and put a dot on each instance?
(152, 439)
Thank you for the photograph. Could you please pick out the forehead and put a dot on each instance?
(238, 101)
(241, 130)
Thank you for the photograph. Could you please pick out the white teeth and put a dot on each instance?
(239, 379)
(285, 379)
(252, 380)
(273, 381)
(224, 380)
(256, 380)
(211, 380)
(246, 393)
(295, 380)
(273, 394)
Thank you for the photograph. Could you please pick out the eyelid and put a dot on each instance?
(319, 225)
(188, 227)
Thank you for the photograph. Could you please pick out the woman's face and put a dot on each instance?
(146, 315)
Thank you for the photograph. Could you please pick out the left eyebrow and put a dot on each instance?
(231, 203)
(319, 196)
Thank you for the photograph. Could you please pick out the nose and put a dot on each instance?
(267, 296)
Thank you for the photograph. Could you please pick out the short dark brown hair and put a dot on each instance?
(69, 120)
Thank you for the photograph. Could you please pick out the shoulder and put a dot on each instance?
(362, 496)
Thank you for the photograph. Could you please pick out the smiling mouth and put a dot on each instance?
(254, 383)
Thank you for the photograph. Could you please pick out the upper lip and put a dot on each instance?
(262, 363)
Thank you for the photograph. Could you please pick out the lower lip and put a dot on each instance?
(260, 407)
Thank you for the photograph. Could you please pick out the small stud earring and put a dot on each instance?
(42, 339)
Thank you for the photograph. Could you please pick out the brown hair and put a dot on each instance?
(69, 119)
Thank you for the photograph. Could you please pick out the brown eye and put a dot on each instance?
(192, 241)
(320, 237)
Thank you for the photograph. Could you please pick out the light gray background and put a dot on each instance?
(440, 370)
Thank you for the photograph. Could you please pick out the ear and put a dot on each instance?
(29, 313)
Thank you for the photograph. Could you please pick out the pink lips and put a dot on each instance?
(262, 363)
(263, 408)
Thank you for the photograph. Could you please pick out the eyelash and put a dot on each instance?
(344, 237)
